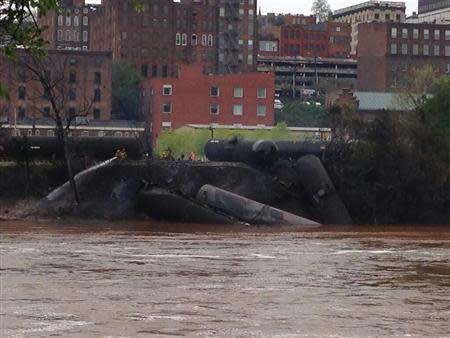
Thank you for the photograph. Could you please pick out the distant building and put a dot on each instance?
(387, 53)
(81, 83)
(220, 35)
(193, 98)
(325, 40)
(370, 11)
(70, 26)
(293, 74)
(432, 11)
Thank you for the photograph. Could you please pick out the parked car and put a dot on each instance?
(278, 104)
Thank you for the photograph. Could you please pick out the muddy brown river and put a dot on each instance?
(154, 280)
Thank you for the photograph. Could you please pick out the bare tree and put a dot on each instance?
(321, 9)
(51, 82)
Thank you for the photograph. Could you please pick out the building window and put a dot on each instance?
(154, 70)
(437, 34)
(21, 93)
(85, 36)
(76, 21)
(447, 50)
(394, 32)
(167, 90)
(167, 107)
(60, 35)
(194, 40)
(214, 109)
(405, 33)
(166, 126)
(178, 39)
(68, 36)
(68, 20)
(165, 71)
(60, 20)
(426, 50)
(101, 133)
(96, 114)
(85, 21)
(261, 110)
(238, 92)
(144, 70)
(404, 49)
(447, 35)
(72, 94)
(204, 40)
(393, 48)
(415, 33)
(262, 93)
(210, 40)
(97, 95)
(76, 36)
(184, 39)
(97, 78)
(437, 50)
(426, 34)
(415, 49)
(237, 109)
(46, 112)
(214, 91)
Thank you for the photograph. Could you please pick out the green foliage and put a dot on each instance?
(125, 92)
(436, 109)
(299, 114)
(395, 170)
(185, 140)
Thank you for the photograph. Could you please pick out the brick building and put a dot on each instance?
(369, 11)
(195, 98)
(70, 26)
(221, 35)
(326, 40)
(79, 81)
(387, 52)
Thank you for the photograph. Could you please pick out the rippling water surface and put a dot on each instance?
(101, 280)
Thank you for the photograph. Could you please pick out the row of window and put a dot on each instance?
(83, 133)
(416, 33)
(72, 94)
(76, 20)
(214, 91)
(182, 40)
(214, 109)
(415, 49)
(71, 35)
(46, 113)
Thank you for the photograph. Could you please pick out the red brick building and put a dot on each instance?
(70, 26)
(387, 52)
(80, 83)
(220, 35)
(237, 100)
(325, 40)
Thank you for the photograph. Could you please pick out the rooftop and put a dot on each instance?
(369, 4)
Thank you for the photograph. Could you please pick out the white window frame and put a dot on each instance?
(238, 92)
(238, 109)
(258, 93)
(169, 90)
(258, 113)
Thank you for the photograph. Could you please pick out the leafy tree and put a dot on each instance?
(125, 92)
(321, 9)
(299, 114)
(19, 27)
(436, 108)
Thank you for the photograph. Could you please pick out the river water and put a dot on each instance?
(141, 280)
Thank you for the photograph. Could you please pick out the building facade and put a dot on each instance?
(78, 82)
(325, 40)
(370, 11)
(432, 11)
(155, 36)
(195, 98)
(70, 26)
(389, 51)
